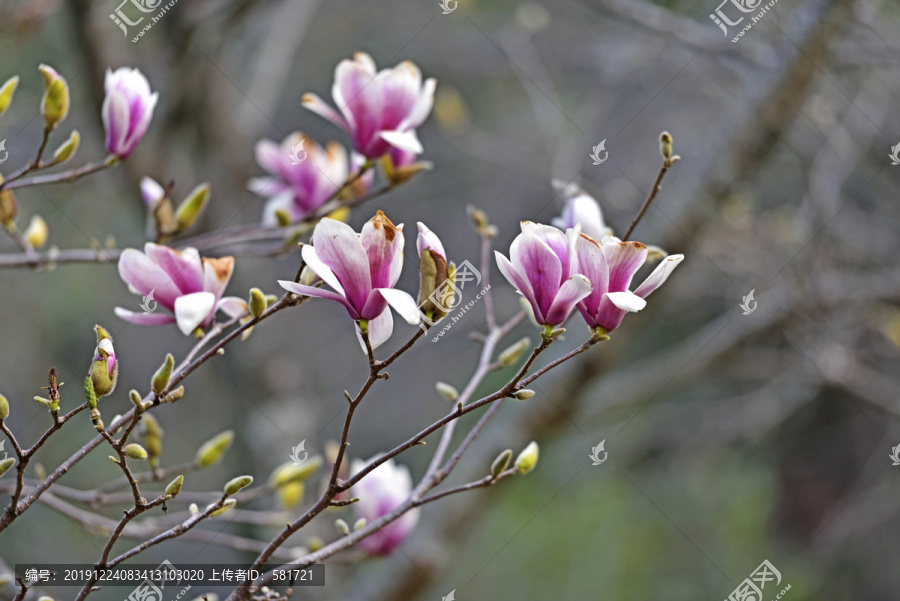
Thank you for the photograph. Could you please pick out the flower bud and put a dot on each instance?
(175, 394)
(135, 451)
(55, 105)
(257, 302)
(4, 407)
(479, 218)
(6, 464)
(45, 598)
(212, 450)
(513, 352)
(193, 509)
(229, 503)
(233, 486)
(314, 544)
(447, 392)
(435, 295)
(67, 148)
(342, 526)
(36, 233)
(290, 495)
(665, 145)
(135, 397)
(501, 462)
(523, 395)
(359, 524)
(153, 434)
(163, 374)
(104, 370)
(282, 217)
(191, 207)
(290, 472)
(8, 206)
(527, 459)
(7, 91)
(89, 395)
(174, 486)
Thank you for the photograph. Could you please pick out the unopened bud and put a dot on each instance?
(527, 459)
(282, 217)
(514, 351)
(8, 206)
(228, 504)
(45, 598)
(163, 374)
(4, 407)
(501, 462)
(6, 93)
(36, 233)
(175, 394)
(135, 451)
(174, 486)
(291, 472)
(55, 104)
(67, 148)
(342, 526)
(523, 395)
(479, 218)
(308, 277)
(89, 394)
(447, 392)
(191, 207)
(193, 509)
(290, 495)
(212, 450)
(135, 397)
(314, 544)
(665, 145)
(257, 302)
(233, 486)
(271, 299)
(6, 464)
(359, 524)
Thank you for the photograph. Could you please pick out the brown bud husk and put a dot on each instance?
(435, 296)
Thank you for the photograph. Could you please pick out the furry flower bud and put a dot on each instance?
(191, 207)
(6, 464)
(501, 462)
(665, 145)
(290, 472)
(342, 526)
(174, 486)
(523, 395)
(163, 374)
(257, 302)
(527, 459)
(447, 392)
(4, 407)
(7, 91)
(67, 148)
(512, 353)
(55, 104)
(212, 450)
(225, 507)
(104, 371)
(233, 486)
(36, 233)
(135, 451)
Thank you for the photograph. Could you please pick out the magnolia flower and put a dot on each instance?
(362, 269)
(610, 266)
(188, 287)
(581, 208)
(303, 175)
(381, 491)
(127, 110)
(380, 109)
(543, 270)
(434, 274)
(152, 192)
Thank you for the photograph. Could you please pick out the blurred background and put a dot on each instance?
(732, 438)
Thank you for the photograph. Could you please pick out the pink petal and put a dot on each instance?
(318, 293)
(144, 319)
(537, 261)
(320, 269)
(403, 304)
(624, 259)
(143, 275)
(216, 274)
(184, 268)
(627, 301)
(232, 306)
(318, 106)
(428, 239)
(270, 156)
(659, 275)
(383, 243)
(519, 282)
(573, 290)
(380, 329)
(592, 264)
(407, 140)
(339, 247)
(115, 121)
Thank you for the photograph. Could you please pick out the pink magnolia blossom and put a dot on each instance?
(381, 491)
(127, 110)
(362, 269)
(298, 188)
(379, 110)
(542, 268)
(583, 209)
(181, 282)
(610, 266)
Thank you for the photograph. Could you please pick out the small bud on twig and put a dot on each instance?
(135, 451)
(36, 233)
(447, 392)
(4, 407)
(67, 148)
(513, 352)
(174, 486)
(359, 524)
(212, 450)
(501, 462)
(233, 486)
(527, 459)
(163, 374)
(342, 526)
(225, 507)
(257, 302)
(191, 207)
(6, 464)
(6, 92)
(523, 395)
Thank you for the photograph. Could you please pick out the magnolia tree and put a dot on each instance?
(574, 273)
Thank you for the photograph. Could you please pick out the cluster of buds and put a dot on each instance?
(165, 220)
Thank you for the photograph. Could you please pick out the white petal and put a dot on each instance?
(405, 140)
(192, 309)
(403, 304)
(627, 301)
(320, 269)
